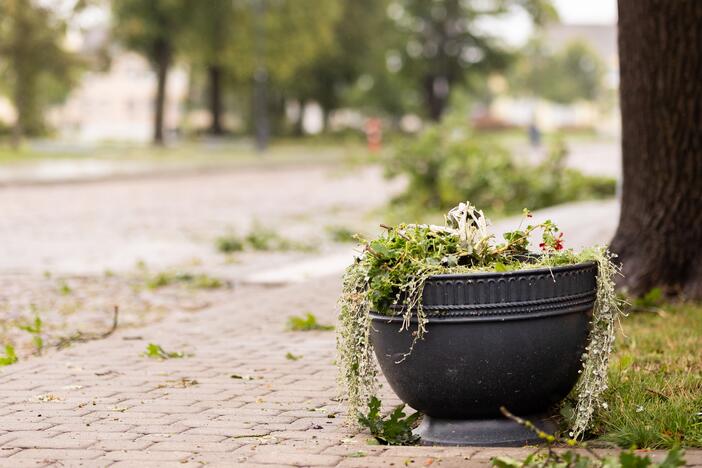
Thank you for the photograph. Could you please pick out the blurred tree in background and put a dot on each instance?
(276, 40)
(445, 42)
(359, 36)
(152, 28)
(260, 63)
(35, 69)
(566, 75)
(208, 34)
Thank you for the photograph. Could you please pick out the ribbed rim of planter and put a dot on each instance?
(504, 295)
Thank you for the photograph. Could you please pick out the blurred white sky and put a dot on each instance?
(516, 28)
(591, 11)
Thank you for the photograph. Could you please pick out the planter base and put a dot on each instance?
(480, 432)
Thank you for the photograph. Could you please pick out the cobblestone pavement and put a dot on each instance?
(112, 225)
(235, 399)
(71, 252)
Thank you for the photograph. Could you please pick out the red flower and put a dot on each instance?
(558, 242)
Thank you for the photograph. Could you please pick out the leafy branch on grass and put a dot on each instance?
(394, 429)
(155, 351)
(550, 458)
(10, 356)
(306, 323)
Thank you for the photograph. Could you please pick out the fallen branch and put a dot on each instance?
(80, 337)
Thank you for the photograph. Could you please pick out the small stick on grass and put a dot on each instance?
(550, 439)
(657, 393)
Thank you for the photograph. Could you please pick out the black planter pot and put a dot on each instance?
(511, 339)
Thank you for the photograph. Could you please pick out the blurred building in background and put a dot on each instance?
(601, 115)
(117, 104)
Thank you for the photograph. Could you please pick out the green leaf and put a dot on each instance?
(306, 323)
(10, 357)
(396, 429)
(653, 298)
(505, 462)
(629, 459)
(155, 351)
(674, 458)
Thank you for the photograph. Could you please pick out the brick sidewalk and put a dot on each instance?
(103, 404)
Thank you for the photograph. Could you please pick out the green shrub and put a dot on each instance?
(447, 163)
(229, 244)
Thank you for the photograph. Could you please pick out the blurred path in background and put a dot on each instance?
(149, 243)
(602, 158)
(112, 225)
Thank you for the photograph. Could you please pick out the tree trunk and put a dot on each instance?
(660, 234)
(260, 110)
(214, 73)
(18, 127)
(162, 64)
(299, 128)
(435, 96)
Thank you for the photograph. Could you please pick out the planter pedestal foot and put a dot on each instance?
(499, 432)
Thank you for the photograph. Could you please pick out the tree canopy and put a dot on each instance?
(35, 69)
(572, 72)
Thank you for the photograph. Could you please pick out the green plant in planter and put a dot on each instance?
(389, 276)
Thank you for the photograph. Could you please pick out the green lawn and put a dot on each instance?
(235, 151)
(655, 395)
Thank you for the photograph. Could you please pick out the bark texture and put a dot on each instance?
(435, 98)
(659, 238)
(162, 64)
(215, 78)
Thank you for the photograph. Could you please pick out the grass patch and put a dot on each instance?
(655, 394)
(229, 243)
(260, 239)
(201, 281)
(306, 323)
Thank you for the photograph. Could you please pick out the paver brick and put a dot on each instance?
(153, 464)
(148, 455)
(56, 454)
(183, 438)
(222, 446)
(48, 443)
(8, 451)
(134, 418)
(295, 459)
(125, 445)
